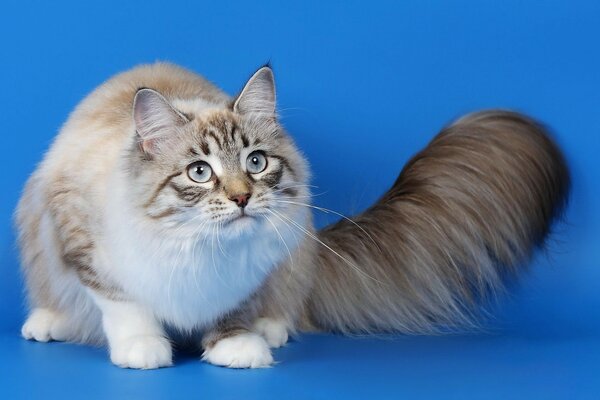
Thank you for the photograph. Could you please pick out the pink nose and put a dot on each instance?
(240, 199)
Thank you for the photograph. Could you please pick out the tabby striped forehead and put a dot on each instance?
(222, 132)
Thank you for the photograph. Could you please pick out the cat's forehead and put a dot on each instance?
(217, 133)
(222, 132)
(222, 127)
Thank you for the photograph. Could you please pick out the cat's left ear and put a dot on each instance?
(258, 96)
(155, 119)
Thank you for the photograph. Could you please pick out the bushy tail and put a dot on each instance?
(464, 215)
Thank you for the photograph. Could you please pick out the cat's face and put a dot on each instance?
(224, 170)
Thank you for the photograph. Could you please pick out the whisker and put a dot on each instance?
(282, 240)
(327, 211)
(280, 189)
(311, 235)
(195, 262)
(204, 241)
(219, 240)
(309, 196)
(174, 234)
(182, 244)
(212, 252)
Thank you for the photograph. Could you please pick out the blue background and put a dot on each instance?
(362, 86)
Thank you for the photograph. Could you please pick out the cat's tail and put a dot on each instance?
(464, 216)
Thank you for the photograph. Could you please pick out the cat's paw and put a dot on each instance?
(246, 350)
(273, 330)
(142, 352)
(44, 325)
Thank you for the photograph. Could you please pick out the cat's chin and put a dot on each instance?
(240, 226)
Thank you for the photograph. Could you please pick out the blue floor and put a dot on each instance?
(366, 83)
(543, 343)
(507, 366)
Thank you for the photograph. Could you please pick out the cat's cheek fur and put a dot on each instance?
(246, 350)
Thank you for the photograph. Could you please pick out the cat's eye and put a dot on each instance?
(200, 172)
(256, 162)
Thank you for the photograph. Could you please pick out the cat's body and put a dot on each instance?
(199, 223)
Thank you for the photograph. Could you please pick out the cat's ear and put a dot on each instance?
(258, 96)
(155, 119)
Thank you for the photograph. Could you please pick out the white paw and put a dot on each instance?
(246, 350)
(273, 330)
(142, 352)
(44, 325)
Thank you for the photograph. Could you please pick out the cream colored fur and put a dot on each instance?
(124, 241)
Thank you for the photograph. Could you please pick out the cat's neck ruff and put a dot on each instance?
(188, 280)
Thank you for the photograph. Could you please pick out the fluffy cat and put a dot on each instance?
(164, 206)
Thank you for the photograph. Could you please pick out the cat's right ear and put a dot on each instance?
(155, 119)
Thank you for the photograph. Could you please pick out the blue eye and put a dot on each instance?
(256, 162)
(199, 172)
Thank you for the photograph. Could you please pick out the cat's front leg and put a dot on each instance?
(242, 340)
(135, 338)
(233, 344)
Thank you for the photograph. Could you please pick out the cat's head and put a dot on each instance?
(226, 167)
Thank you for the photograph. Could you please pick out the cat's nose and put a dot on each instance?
(240, 199)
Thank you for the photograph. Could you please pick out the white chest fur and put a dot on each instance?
(190, 280)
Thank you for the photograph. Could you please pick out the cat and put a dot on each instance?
(165, 208)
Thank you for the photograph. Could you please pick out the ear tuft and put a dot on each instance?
(258, 95)
(155, 119)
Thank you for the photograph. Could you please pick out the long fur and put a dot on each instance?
(120, 244)
(464, 216)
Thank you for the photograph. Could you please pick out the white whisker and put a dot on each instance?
(194, 263)
(280, 189)
(311, 235)
(327, 211)
(282, 240)
(219, 240)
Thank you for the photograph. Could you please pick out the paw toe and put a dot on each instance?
(274, 331)
(146, 352)
(247, 350)
(44, 325)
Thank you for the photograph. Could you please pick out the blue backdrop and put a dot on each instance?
(394, 72)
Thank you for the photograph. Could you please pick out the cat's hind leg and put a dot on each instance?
(273, 330)
(44, 325)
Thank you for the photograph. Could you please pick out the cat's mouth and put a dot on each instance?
(242, 216)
